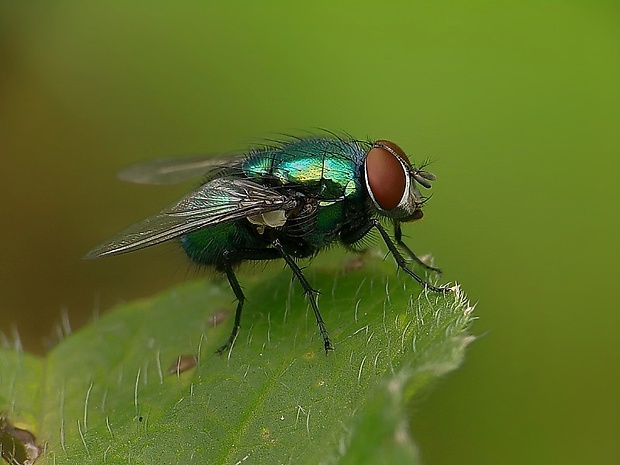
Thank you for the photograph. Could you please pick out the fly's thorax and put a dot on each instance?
(391, 182)
(322, 167)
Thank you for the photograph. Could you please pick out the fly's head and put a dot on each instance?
(392, 182)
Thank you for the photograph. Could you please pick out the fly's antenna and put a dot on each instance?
(423, 177)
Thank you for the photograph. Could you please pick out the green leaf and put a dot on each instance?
(115, 391)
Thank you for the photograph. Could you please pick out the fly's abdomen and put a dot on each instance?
(207, 246)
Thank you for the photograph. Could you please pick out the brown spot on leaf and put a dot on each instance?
(218, 317)
(354, 263)
(182, 363)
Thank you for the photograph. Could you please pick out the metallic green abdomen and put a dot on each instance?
(207, 246)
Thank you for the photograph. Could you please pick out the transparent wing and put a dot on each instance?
(172, 170)
(219, 201)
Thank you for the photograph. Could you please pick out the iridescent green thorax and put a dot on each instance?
(330, 167)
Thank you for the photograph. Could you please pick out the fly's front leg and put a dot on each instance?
(233, 256)
(308, 290)
(401, 261)
(398, 235)
(355, 235)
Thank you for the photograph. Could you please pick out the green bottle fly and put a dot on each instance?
(286, 201)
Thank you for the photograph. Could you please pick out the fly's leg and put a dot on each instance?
(400, 260)
(230, 257)
(236, 288)
(355, 235)
(311, 293)
(398, 235)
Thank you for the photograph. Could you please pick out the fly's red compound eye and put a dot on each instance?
(386, 177)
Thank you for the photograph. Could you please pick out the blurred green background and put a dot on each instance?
(517, 104)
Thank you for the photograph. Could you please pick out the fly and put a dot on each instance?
(285, 201)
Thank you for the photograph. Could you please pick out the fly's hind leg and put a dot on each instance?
(308, 290)
(236, 288)
(234, 256)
